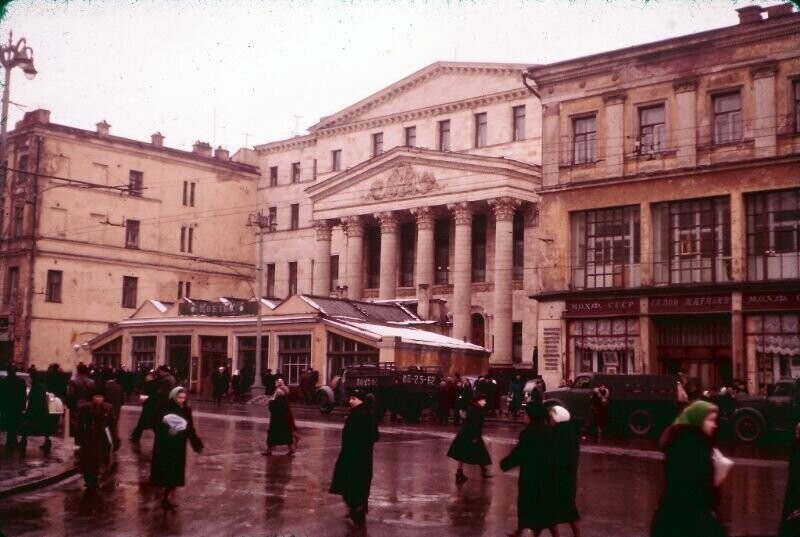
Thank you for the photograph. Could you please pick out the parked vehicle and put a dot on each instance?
(639, 404)
(407, 392)
(779, 410)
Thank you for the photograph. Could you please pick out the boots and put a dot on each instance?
(460, 477)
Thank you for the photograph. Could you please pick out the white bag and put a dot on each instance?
(722, 466)
(54, 404)
(175, 423)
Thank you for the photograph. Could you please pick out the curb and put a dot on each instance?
(65, 471)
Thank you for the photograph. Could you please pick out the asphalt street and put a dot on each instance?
(233, 490)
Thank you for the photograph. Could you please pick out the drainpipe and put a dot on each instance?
(32, 263)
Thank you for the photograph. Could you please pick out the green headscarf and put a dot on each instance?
(695, 413)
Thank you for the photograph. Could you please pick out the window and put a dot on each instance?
(334, 272)
(377, 144)
(411, 136)
(605, 248)
(519, 122)
(408, 232)
(273, 176)
(480, 129)
(295, 172)
(129, 286)
(273, 218)
(314, 170)
(295, 223)
(516, 343)
(444, 135)
(19, 222)
(292, 278)
(773, 235)
(12, 285)
(187, 239)
(372, 242)
(343, 352)
(727, 117)
(692, 241)
(191, 194)
(22, 166)
(271, 280)
(294, 356)
(603, 345)
(797, 106)
(336, 160)
(441, 241)
(774, 338)
(135, 183)
(479, 248)
(53, 291)
(143, 353)
(584, 139)
(519, 245)
(186, 193)
(184, 289)
(247, 357)
(652, 129)
(108, 355)
(131, 233)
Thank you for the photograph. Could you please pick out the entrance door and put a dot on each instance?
(179, 349)
(213, 355)
(479, 330)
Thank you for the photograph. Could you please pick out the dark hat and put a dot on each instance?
(536, 411)
(358, 394)
(99, 389)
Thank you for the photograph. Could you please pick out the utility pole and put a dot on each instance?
(264, 224)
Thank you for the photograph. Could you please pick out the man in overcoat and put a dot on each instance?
(12, 405)
(94, 436)
(352, 476)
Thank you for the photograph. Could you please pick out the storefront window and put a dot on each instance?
(109, 355)
(247, 358)
(775, 341)
(343, 351)
(604, 345)
(144, 353)
(294, 356)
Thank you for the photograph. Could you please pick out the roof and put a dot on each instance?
(344, 309)
(406, 334)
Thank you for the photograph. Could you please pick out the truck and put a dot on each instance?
(406, 392)
(778, 410)
(639, 404)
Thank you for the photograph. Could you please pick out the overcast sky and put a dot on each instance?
(234, 72)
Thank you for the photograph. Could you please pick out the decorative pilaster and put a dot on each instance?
(503, 274)
(353, 227)
(388, 274)
(462, 269)
(322, 258)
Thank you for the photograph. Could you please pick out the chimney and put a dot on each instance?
(749, 14)
(40, 116)
(157, 139)
(781, 10)
(201, 149)
(103, 128)
(222, 154)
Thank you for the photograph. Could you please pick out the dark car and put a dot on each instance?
(777, 411)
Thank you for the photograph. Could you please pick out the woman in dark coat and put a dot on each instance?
(535, 456)
(468, 446)
(790, 519)
(352, 475)
(689, 499)
(282, 429)
(149, 393)
(173, 429)
(93, 435)
(567, 453)
(38, 421)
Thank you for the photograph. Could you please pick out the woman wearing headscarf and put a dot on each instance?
(566, 433)
(282, 429)
(38, 421)
(535, 456)
(173, 429)
(790, 520)
(468, 446)
(689, 500)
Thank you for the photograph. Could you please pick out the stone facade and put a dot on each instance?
(418, 192)
(84, 210)
(670, 206)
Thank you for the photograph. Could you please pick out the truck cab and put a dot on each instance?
(779, 410)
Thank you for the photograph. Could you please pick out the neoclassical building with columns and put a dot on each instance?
(422, 193)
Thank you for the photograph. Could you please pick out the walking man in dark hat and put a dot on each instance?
(352, 476)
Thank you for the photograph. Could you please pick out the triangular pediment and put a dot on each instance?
(407, 177)
(436, 84)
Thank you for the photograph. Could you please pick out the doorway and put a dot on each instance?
(179, 349)
(213, 355)
(478, 330)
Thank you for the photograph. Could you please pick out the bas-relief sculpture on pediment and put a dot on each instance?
(403, 182)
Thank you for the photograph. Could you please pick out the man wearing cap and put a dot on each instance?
(352, 476)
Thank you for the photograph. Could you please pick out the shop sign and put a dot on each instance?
(771, 300)
(602, 306)
(219, 309)
(691, 304)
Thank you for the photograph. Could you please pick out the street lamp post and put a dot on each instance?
(11, 55)
(264, 223)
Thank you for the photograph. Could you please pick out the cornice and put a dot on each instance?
(298, 142)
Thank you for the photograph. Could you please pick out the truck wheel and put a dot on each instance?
(324, 403)
(748, 427)
(640, 422)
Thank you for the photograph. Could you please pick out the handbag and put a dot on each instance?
(54, 404)
(722, 466)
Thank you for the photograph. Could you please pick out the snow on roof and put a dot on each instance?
(271, 304)
(407, 335)
(160, 305)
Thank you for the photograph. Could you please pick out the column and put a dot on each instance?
(388, 275)
(354, 229)
(424, 269)
(503, 272)
(685, 132)
(462, 270)
(322, 258)
(614, 134)
(765, 124)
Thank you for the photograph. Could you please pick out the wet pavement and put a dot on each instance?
(232, 490)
